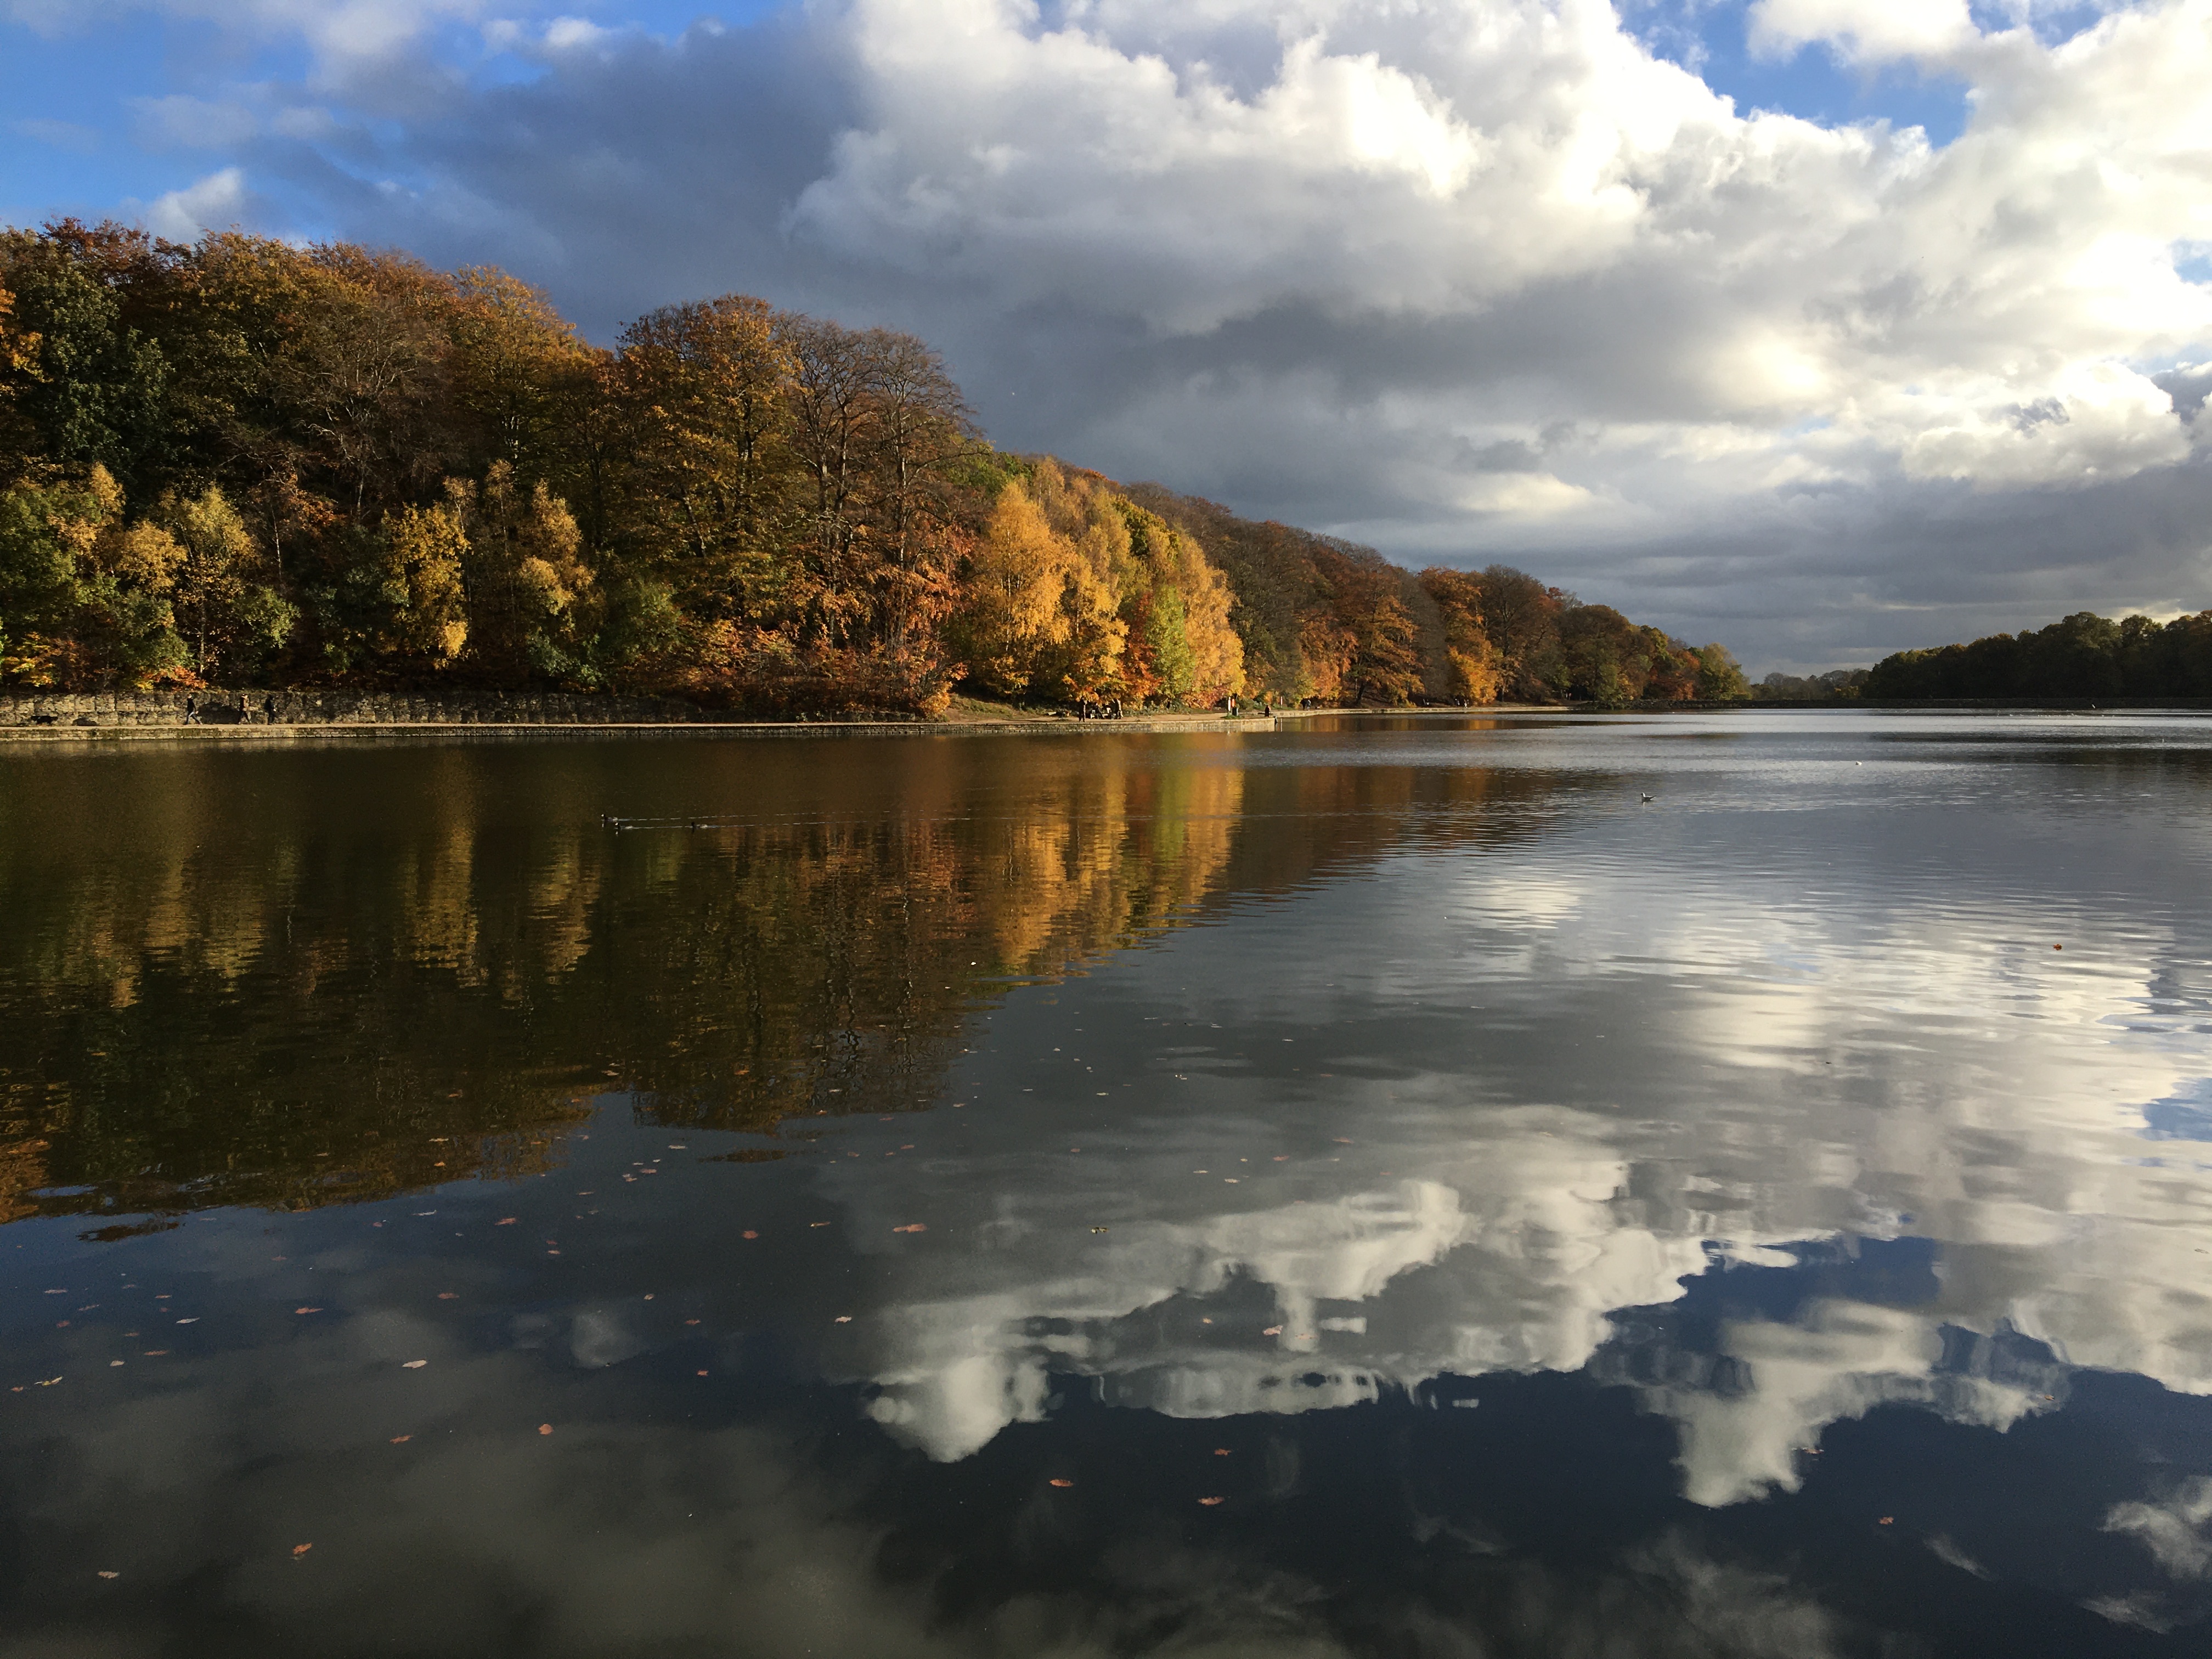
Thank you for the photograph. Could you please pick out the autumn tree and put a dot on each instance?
(84, 593)
(1097, 570)
(1475, 671)
(426, 554)
(1521, 618)
(1013, 616)
(1719, 675)
(704, 387)
(522, 576)
(224, 606)
(921, 426)
(511, 354)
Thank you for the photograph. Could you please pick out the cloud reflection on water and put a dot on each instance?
(1811, 1045)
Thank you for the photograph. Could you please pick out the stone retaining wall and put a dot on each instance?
(98, 708)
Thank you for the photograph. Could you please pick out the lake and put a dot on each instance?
(1381, 1187)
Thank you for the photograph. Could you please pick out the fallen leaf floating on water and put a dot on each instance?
(301, 1549)
(545, 1428)
(1886, 1520)
(1059, 1483)
(703, 1373)
(1211, 1502)
(412, 1365)
(1272, 1330)
(913, 1227)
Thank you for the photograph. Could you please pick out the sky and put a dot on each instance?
(1824, 328)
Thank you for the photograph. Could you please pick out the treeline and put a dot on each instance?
(1837, 686)
(237, 462)
(2080, 656)
(1345, 623)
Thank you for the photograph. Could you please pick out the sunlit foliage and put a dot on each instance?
(239, 462)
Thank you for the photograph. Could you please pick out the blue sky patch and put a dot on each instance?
(2184, 1116)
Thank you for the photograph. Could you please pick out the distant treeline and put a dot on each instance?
(237, 462)
(2082, 656)
(1837, 686)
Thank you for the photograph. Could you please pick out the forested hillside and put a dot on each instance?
(238, 461)
(2080, 656)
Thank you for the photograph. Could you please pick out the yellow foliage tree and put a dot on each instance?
(1098, 566)
(1477, 670)
(1217, 654)
(222, 607)
(522, 570)
(1013, 613)
(426, 551)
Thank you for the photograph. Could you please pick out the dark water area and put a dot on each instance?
(1381, 1188)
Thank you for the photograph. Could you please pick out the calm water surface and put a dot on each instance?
(1383, 1188)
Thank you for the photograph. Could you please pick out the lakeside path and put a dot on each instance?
(961, 724)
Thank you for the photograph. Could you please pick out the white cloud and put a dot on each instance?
(214, 203)
(1867, 31)
(575, 34)
(2178, 1533)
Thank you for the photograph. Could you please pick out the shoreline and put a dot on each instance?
(494, 731)
(165, 726)
(360, 730)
